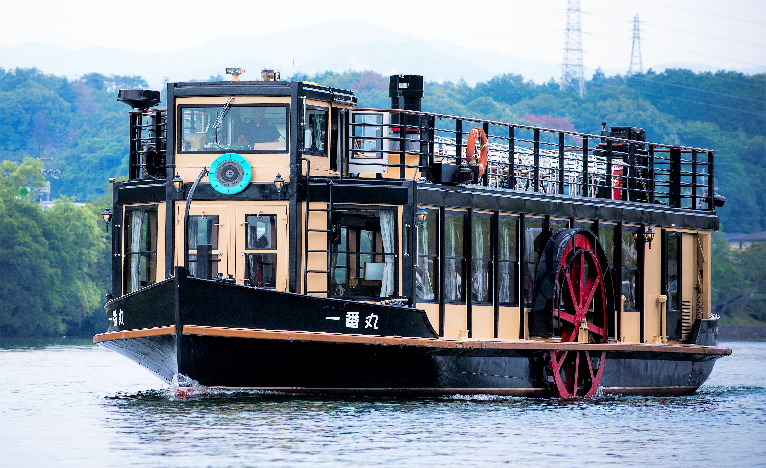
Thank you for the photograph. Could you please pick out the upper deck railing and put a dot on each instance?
(527, 158)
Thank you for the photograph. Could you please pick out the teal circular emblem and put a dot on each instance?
(230, 173)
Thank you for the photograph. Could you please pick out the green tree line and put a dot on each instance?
(54, 263)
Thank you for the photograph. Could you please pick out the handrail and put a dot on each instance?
(530, 158)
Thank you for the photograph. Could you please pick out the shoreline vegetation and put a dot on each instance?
(74, 135)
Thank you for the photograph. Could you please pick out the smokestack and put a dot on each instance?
(406, 92)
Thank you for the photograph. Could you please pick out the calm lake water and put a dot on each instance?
(70, 403)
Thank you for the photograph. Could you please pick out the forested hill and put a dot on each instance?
(81, 126)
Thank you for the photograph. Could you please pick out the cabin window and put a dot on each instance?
(507, 245)
(260, 236)
(673, 282)
(315, 133)
(630, 274)
(454, 256)
(534, 242)
(140, 247)
(368, 136)
(241, 128)
(481, 261)
(426, 271)
(363, 259)
(203, 229)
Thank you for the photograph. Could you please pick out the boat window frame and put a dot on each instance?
(629, 231)
(443, 240)
(490, 289)
(434, 257)
(513, 261)
(127, 216)
(337, 209)
(179, 129)
(309, 151)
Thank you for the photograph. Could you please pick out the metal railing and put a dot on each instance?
(148, 142)
(407, 144)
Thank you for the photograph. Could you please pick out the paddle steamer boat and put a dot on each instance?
(273, 235)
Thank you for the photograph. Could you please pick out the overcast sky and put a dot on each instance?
(721, 34)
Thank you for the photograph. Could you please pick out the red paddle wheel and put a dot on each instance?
(580, 311)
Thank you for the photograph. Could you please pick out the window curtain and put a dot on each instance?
(481, 231)
(504, 247)
(136, 229)
(387, 233)
(425, 288)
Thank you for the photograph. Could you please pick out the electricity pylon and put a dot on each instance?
(635, 53)
(572, 75)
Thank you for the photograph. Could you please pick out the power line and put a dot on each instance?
(687, 52)
(705, 35)
(760, 101)
(704, 13)
(704, 103)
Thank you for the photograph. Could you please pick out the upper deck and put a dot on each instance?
(321, 130)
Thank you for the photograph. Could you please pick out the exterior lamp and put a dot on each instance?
(279, 183)
(107, 216)
(420, 216)
(649, 236)
(178, 183)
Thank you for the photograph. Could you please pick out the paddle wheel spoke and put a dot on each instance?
(581, 301)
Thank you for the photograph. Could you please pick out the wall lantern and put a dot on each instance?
(420, 216)
(107, 216)
(648, 237)
(178, 183)
(279, 183)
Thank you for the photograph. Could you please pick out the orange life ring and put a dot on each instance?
(477, 133)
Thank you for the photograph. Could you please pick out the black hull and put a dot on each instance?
(209, 345)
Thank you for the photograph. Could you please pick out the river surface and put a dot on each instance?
(70, 403)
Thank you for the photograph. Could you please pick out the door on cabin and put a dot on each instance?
(262, 245)
(208, 225)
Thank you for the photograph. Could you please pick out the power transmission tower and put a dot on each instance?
(635, 53)
(572, 76)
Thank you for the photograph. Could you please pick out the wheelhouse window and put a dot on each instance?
(203, 230)
(315, 133)
(260, 250)
(454, 256)
(630, 274)
(363, 257)
(426, 271)
(368, 136)
(140, 247)
(238, 127)
(481, 261)
(508, 265)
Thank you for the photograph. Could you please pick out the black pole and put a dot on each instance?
(186, 216)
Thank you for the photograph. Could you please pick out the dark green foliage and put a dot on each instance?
(53, 262)
(739, 283)
(78, 124)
